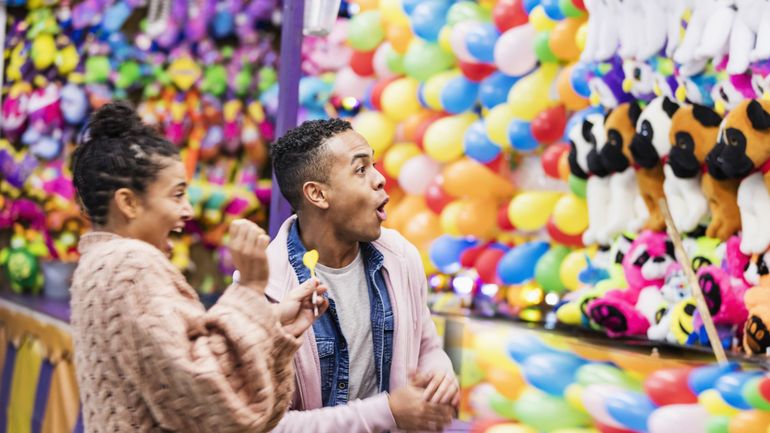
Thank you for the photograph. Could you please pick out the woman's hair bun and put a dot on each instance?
(114, 120)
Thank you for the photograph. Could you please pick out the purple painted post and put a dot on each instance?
(288, 97)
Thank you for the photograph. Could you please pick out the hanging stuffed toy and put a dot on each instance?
(762, 49)
(649, 147)
(602, 38)
(743, 35)
(702, 11)
(675, 11)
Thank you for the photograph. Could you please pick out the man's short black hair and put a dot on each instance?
(298, 156)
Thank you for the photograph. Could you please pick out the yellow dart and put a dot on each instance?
(310, 259)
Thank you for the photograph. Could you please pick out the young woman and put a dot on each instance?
(149, 357)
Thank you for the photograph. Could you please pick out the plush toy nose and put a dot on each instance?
(659, 259)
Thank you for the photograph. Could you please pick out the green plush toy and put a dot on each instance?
(22, 267)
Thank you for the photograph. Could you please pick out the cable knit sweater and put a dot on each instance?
(150, 358)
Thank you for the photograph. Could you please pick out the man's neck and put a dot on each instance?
(333, 252)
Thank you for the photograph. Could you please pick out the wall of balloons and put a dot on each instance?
(195, 70)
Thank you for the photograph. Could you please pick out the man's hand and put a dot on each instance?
(296, 310)
(439, 387)
(247, 246)
(413, 413)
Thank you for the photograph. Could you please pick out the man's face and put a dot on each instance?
(355, 189)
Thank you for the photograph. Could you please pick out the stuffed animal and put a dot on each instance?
(702, 11)
(602, 38)
(627, 211)
(629, 311)
(744, 153)
(606, 84)
(762, 49)
(649, 147)
(675, 315)
(743, 34)
(731, 90)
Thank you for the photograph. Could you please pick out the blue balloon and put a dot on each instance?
(552, 9)
(730, 386)
(703, 378)
(478, 146)
(530, 4)
(520, 134)
(521, 346)
(314, 92)
(480, 42)
(494, 89)
(631, 409)
(428, 18)
(459, 95)
(579, 79)
(518, 265)
(420, 95)
(551, 372)
(445, 252)
(409, 5)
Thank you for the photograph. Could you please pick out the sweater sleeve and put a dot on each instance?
(370, 415)
(227, 370)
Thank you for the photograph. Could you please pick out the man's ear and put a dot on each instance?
(127, 203)
(315, 193)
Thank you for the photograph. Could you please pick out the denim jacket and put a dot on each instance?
(332, 347)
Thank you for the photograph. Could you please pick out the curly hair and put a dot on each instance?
(117, 151)
(299, 156)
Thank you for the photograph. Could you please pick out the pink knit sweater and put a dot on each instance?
(150, 358)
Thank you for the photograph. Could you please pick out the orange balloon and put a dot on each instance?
(421, 229)
(410, 125)
(564, 166)
(468, 178)
(478, 218)
(507, 382)
(367, 5)
(409, 206)
(562, 41)
(750, 421)
(399, 38)
(567, 94)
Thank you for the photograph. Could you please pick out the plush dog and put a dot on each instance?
(649, 147)
(627, 211)
(668, 318)
(744, 153)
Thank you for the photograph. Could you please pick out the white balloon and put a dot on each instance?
(457, 40)
(348, 83)
(417, 174)
(380, 61)
(515, 50)
(679, 418)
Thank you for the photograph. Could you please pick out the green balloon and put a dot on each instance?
(542, 50)
(502, 406)
(243, 81)
(128, 73)
(470, 373)
(365, 31)
(570, 10)
(267, 77)
(465, 11)
(395, 61)
(752, 395)
(547, 271)
(97, 69)
(215, 80)
(546, 413)
(602, 374)
(423, 60)
(718, 424)
(577, 186)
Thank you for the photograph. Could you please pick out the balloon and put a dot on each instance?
(531, 94)
(502, 406)
(486, 264)
(476, 144)
(518, 265)
(548, 126)
(459, 95)
(409, 5)
(508, 14)
(365, 31)
(547, 413)
(507, 381)
(497, 121)
(753, 395)
(514, 50)
(571, 267)
(665, 387)
(578, 186)
(419, 135)
(718, 424)
(579, 79)
(750, 421)
(348, 83)
(552, 9)
(394, 62)
(384, 55)
(520, 136)
(464, 11)
(434, 88)
(428, 18)
(424, 60)
(510, 428)
(445, 252)
(550, 159)
(469, 256)
(476, 71)
(540, 21)
(397, 156)
(567, 95)
(478, 218)
(562, 238)
(714, 404)
(703, 378)
(529, 5)
(376, 129)
(503, 222)
(435, 196)
(393, 13)
(409, 206)
(524, 345)
(570, 10)
(551, 372)
(399, 37)
(543, 50)
(417, 173)
(399, 99)
(43, 51)
(581, 36)
(457, 40)
(443, 140)
(562, 41)
(480, 41)
(571, 214)
(678, 418)
(548, 267)
(449, 218)
(602, 374)
(486, 183)
(731, 385)
(494, 89)
(362, 63)
(595, 401)
(630, 409)
(421, 229)
(378, 89)
(530, 210)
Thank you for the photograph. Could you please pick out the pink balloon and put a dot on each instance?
(417, 174)
(457, 40)
(679, 418)
(348, 83)
(515, 50)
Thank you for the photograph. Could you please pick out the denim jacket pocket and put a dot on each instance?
(326, 356)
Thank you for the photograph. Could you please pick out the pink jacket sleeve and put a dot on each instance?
(371, 415)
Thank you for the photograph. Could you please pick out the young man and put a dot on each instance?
(374, 361)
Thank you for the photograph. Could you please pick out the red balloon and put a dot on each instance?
(419, 133)
(483, 425)
(476, 71)
(764, 388)
(494, 164)
(670, 386)
(551, 157)
(508, 14)
(609, 429)
(361, 63)
(503, 221)
(562, 238)
(486, 264)
(469, 256)
(549, 125)
(377, 90)
(436, 198)
(579, 4)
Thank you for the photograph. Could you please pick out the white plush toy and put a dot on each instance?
(674, 291)
(743, 36)
(762, 49)
(653, 28)
(602, 38)
(702, 11)
(754, 203)
(631, 19)
(714, 43)
(675, 11)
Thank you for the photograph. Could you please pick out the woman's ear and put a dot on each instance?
(127, 203)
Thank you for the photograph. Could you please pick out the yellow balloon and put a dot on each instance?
(712, 401)
(497, 122)
(43, 51)
(581, 36)
(435, 85)
(427, 264)
(444, 38)
(570, 215)
(510, 428)
(443, 141)
(530, 210)
(449, 218)
(397, 155)
(399, 99)
(574, 396)
(532, 94)
(540, 20)
(571, 267)
(376, 129)
(507, 381)
(393, 13)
